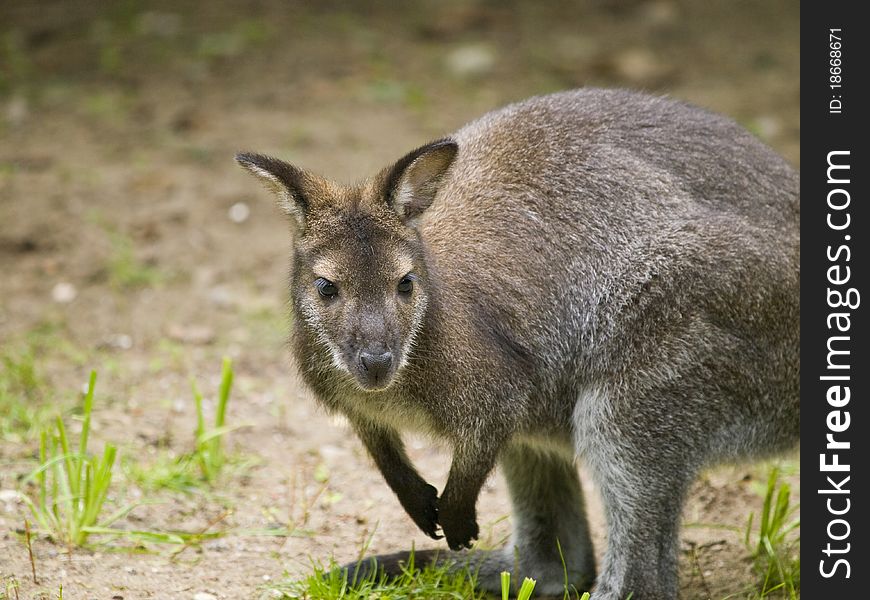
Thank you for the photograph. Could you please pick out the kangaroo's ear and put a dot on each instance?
(286, 181)
(411, 183)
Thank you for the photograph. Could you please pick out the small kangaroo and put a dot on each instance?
(592, 274)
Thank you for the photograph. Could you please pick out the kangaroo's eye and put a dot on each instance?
(406, 285)
(326, 288)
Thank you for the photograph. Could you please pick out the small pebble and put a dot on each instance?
(17, 111)
(9, 496)
(638, 65)
(204, 596)
(660, 14)
(119, 341)
(221, 296)
(472, 60)
(239, 212)
(63, 292)
(768, 126)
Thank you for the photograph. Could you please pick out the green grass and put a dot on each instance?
(27, 400)
(166, 472)
(125, 270)
(9, 588)
(209, 453)
(19, 373)
(208, 460)
(71, 485)
(333, 583)
(775, 546)
(436, 582)
(21, 392)
(525, 591)
(68, 491)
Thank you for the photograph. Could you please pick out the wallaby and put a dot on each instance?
(592, 274)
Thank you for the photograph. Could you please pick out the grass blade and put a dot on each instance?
(526, 589)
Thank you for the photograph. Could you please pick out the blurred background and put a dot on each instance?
(131, 243)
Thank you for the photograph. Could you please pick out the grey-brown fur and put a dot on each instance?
(601, 274)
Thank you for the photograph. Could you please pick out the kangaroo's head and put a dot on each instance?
(359, 281)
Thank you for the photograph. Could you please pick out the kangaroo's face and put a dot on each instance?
(359, 284)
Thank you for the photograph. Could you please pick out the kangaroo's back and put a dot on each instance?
(621, 234)
(559, 141)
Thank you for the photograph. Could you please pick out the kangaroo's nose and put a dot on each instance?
(377, 365)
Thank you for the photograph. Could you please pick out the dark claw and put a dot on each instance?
(423, 509)
(460, 535)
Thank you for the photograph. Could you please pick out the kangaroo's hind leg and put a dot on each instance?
(643, 511)
(643, 475)
(550, 530)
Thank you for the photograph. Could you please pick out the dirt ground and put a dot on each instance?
(130, 243)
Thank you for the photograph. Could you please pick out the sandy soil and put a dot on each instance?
(117, 131)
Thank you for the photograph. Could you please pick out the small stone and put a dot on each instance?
(63, 292)
(472, 60)
(768, 126)
(17, 111)
(660, 14)
(9, 496)
(221, 296)
(640, 66)
(636, 64)
(239, 212)
(204, 596)
(118, 341)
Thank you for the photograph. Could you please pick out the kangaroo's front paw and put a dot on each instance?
(459, 525)
(423, 510)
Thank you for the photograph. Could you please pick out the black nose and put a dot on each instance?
(377, 365)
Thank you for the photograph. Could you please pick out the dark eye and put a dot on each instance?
(326, 288)
(406, 285)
